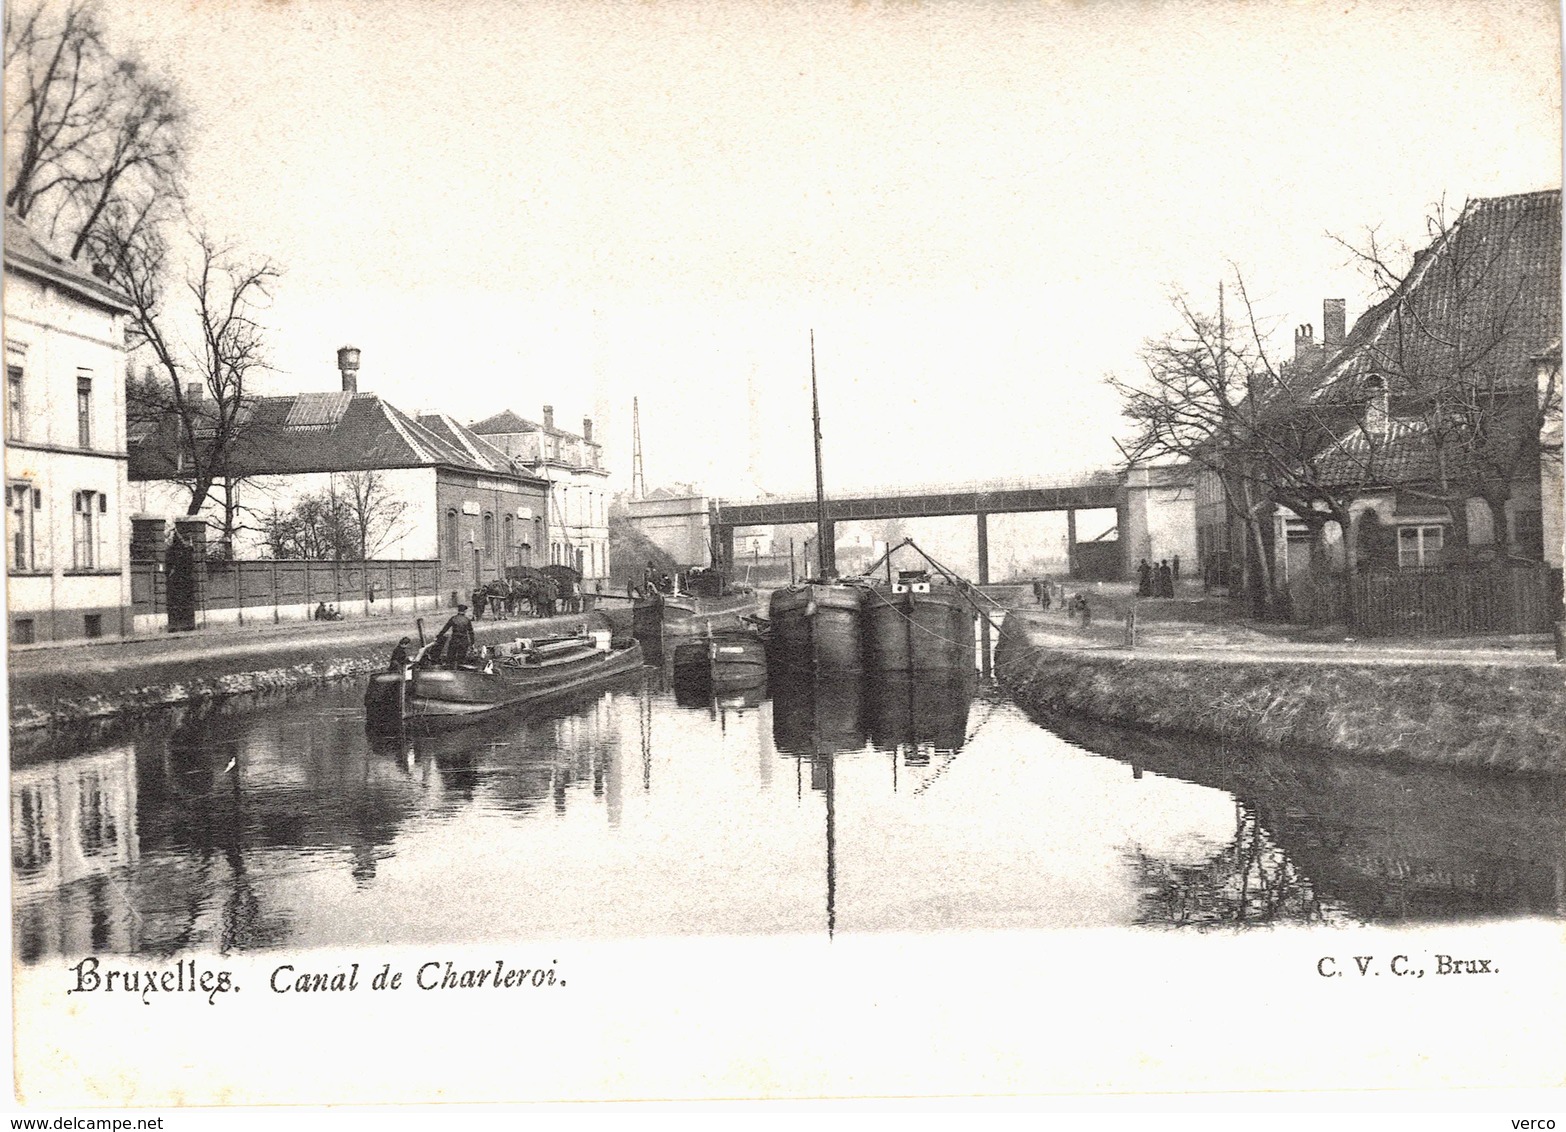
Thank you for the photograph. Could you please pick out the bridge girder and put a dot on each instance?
(1001, 501)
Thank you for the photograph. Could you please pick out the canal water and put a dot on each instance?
(645, 809)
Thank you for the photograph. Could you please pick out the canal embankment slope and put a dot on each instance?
(1496, 703)
(84, 680)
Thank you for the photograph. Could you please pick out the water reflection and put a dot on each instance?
(842, 805)
(1381, 842)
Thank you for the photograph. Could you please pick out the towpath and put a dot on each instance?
(50, 685)
(220, 646)
(1238, 642)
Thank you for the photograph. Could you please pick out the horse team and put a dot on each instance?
(531, 591)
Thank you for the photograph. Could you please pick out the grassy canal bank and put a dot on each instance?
(56, 686)
(1482, 708)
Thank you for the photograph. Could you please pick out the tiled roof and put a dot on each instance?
(1405, 455)
(25, 251)
(480, 451)
(330, 432)
(1493, 282)
(506, 421)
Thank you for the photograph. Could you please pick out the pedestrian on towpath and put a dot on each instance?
(400, 657)
(1144, 579)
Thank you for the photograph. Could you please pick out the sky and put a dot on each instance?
(980, 209)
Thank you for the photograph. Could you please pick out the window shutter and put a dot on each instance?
(37, 500)
(103, 504)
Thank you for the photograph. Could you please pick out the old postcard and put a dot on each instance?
(576, 551)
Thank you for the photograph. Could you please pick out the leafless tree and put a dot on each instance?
(1192, 402)
(1211, 395)
(372, 514)
(1460, 321)
(93, 137)
(199, 379)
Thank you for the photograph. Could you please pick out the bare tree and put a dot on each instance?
(200, 386)
(1210, 395)
(373, 516)
(1193, 402)
(316, 527)
(92, 136)
(1458, 328)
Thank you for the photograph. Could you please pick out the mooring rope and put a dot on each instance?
(893, 607)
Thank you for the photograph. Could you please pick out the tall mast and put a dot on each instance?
(821, 520)
(638, 480)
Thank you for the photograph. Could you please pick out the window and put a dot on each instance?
(22, 631)
(511, 542)
(13, 401)
(92, 625)
(1528, 534)
(83, 411)
(453, 536)
(489, 535)
(22, 503)
(1419, 546)
(86, 527)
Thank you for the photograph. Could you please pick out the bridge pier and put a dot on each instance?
(723, 548)
(1071, 542)
(984, 548)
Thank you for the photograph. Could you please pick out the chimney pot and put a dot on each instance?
(1333, 323)
(587, 429)
(348, 366)
(549, 416)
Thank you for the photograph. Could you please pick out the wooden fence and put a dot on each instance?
(1511, 597)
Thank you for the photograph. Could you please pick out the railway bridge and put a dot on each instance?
(1132, 494)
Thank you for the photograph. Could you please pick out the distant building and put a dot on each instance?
(678, 520)
(578, 514)
(439, 491)
(66, 522)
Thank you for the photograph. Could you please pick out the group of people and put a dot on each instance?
(1046, 591)
(655, 580)
(450, 648)
(324, 612)
(1076, 606)
(1159, 580)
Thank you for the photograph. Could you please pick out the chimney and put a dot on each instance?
(1333, 317)
(1304, 340)
(549, 416)
(194, 390)
(587, 429)
(348, 366)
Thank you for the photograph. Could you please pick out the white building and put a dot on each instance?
(578, 520)
(424, 488)
(67, 533)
